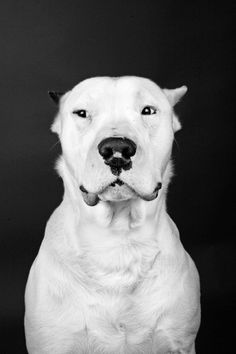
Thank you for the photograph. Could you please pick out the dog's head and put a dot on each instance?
(116, 136)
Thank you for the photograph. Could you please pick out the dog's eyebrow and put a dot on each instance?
(145, 96)
(86, 97)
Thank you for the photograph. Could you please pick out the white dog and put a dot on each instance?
(111, 275)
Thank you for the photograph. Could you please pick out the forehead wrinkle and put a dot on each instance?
(106, 99)
(136, 90)
(146, 87)
(92, 86)
(143, 96)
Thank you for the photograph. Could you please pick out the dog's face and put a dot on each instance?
(116, 136)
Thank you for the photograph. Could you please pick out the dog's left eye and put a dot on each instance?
(148, 110)
(81, 113)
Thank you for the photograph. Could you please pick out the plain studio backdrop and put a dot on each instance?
(55, 44)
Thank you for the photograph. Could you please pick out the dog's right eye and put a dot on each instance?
(81, 113)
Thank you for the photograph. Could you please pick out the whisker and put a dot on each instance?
(177, 144)
(53, 146)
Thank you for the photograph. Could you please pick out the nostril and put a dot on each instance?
(125, 153)
(106, 152)
(128, 151)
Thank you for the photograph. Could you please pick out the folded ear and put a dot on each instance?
(175, 95)
(55, 96)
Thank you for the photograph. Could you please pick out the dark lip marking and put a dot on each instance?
(159, 185)
(154, 194)
(118, 181)
(90, 199)
(83, 189)
(93, 199)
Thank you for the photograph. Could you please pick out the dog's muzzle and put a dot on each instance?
(117, 153)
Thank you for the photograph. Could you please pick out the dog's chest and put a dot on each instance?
(117, 323)
(121, 267)
(116, 315)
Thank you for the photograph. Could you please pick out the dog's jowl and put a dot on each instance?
(111, 275)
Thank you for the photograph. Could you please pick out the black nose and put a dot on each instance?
(117, 152)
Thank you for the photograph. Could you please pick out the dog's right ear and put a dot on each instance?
(55, 96)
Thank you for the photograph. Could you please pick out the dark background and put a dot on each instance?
(55, 44)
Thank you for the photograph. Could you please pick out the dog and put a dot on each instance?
(111, 275)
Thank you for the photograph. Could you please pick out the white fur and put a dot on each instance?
(113, 278)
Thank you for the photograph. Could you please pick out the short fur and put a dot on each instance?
(113, 278)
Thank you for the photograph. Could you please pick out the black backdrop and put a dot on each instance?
(55, 44)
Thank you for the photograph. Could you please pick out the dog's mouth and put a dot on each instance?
(115, 192)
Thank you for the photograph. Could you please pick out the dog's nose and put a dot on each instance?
(117, 152)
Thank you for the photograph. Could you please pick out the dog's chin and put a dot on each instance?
(117, 193)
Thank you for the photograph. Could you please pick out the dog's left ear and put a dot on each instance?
(174, 96)
(55, 96)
